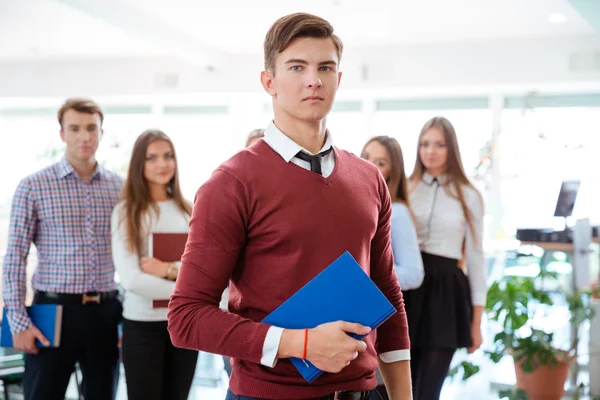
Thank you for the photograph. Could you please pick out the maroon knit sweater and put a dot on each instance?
(271, 226)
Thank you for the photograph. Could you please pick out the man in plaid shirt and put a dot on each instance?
(65, 211)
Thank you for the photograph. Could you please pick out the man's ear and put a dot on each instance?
(266, 79)
(62, 135)
(339, 78)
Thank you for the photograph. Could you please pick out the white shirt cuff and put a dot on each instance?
(393, 356)
(479, 299)
(271, 346)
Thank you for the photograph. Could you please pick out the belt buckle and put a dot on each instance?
(90, 298)
(348, 395)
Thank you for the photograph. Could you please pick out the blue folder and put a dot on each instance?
(341, 292)
(46, 317)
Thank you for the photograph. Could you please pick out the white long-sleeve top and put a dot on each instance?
(407, 257)
(442, 228)
(141, 288)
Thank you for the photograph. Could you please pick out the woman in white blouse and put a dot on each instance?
(444, 314)
(385, 152)
(151, 202)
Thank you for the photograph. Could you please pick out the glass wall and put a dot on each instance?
(539, 149)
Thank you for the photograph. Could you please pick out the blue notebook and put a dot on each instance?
(341, 292)
(46, 317)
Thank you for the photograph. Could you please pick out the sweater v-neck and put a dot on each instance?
(301, 171)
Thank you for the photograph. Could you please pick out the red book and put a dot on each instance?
(168, 247)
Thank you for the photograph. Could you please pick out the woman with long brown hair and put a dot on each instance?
(444, 314)
(385, 152)
(151, 202)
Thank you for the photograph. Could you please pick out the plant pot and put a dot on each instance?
(544, 383)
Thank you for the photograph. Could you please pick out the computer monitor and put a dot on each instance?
(567, 198)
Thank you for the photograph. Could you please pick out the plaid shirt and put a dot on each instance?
(69, 222)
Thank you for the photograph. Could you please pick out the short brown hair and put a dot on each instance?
(291, 27)
(255, 135)
(80, 105)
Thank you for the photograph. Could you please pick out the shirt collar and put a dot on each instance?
(428, 179)
(65, 168)
(285, 146)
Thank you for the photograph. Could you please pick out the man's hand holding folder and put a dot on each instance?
(25, 340)
(329, 347)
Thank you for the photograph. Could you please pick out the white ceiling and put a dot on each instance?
(193, 29)
(49, 29)
(240, 25)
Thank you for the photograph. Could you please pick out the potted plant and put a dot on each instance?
(516, 304)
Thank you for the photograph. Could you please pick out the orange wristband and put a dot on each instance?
(305, 342)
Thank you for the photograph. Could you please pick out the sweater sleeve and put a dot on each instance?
(127, 265)
(407, 256)
(217, 235)
(392, 335)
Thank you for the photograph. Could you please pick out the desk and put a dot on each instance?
(552, 246)
(556, 246)
(12, 368)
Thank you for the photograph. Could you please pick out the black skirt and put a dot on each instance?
(440, 311)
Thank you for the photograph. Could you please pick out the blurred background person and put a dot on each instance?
(151, 202)
(444, 314)
(254, 136)
(65, 210)
(385, 152)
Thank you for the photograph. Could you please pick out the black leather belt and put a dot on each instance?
(346, 395)
(74, 298)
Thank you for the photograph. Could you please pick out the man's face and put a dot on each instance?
(82, 133)
(305, 80)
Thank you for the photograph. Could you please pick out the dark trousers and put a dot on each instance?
(429, 368)
(88, 337)
(154, 368)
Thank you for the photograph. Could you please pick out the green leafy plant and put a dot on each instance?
(514, 302)
(465, 369)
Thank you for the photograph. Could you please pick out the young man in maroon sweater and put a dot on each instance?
(274, 216)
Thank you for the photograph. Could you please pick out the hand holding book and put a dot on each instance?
(341, 292)
(154, 266)
(329, 347)
(25, 341)
(46, 331)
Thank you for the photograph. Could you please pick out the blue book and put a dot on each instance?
(341, 292)
(46, 317)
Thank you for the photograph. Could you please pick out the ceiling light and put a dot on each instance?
(557, 18)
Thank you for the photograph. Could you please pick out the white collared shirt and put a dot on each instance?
(442, 228)
(287, 149)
